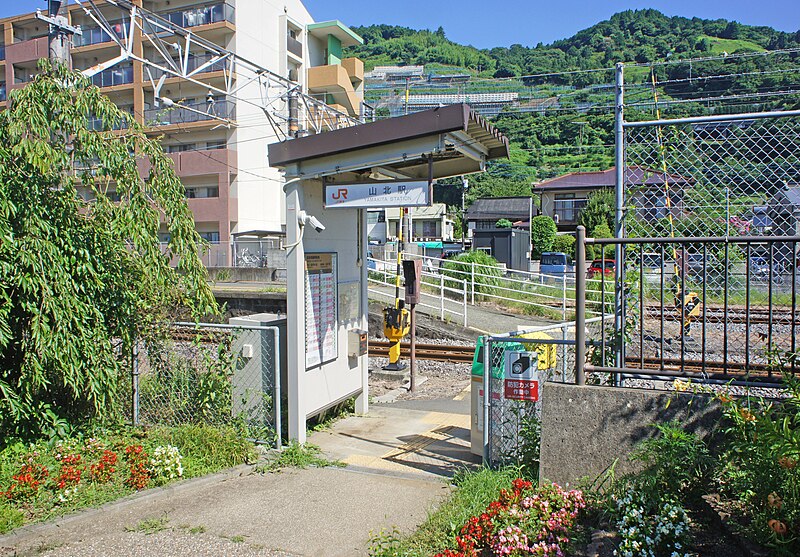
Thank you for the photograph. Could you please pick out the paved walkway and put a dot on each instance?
(398, 460)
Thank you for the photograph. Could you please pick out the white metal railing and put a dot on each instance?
(434, 294)
(546, 294)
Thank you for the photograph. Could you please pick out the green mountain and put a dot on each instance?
(630, 36)
(577, 133)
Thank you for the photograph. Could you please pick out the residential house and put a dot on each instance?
(784, 215)
(484, 213)
(428, 224)
(564, 197)
(230, 187)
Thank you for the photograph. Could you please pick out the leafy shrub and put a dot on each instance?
(487, 271)
(205, 448)
(760, 467)
(504, 223)
(677, 465)
(10, 518)
(543, 234)
(602, 231)
(565, 243)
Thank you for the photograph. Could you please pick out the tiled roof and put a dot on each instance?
(637, 175)
(512, 208)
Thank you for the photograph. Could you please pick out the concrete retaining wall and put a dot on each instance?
(247, 274)
(584, 429)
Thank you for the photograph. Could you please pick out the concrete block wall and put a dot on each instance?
(585, 429)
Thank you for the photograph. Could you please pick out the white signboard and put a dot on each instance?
(378, 195)
(321, 314)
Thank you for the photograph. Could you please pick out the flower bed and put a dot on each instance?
(42, 480)
(522, 521)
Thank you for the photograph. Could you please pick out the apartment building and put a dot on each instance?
(219, 144)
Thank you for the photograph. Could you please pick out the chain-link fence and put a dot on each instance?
(713, 176)
(214, 374)
(519, 365)
(723, 305)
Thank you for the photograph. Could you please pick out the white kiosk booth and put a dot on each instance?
(331, 180)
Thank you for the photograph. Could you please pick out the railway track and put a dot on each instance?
(435, 352)
(757, 316)
(464, 354)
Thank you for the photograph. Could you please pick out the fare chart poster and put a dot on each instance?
(321, 310)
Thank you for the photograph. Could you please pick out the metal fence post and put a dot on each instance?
(441, 292)
(564, 296)
(619, 233)
(580, 305)
(465, 302)
(277, 389)
(487, 397)
(135, 383)
(473, 282)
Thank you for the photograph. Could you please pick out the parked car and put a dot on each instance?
(555, 265)
(606, 266)
(760, 270)
(695, 263)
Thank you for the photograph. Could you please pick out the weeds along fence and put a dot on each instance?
(449, 286)
(512, 411)
(211, 374)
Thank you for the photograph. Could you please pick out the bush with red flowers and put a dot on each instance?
(522, 521)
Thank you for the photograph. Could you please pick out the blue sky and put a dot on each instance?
(488, 23)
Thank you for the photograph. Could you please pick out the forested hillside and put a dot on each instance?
(577, 135)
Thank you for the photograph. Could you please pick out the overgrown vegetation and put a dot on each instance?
(81, 280)
(51, 478)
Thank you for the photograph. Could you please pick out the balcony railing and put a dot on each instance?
(193, 62)
(95, 35)
(96, 124)
(203, 15)
(118, 75)
(294, 46)
(191, 112)
(568, 210)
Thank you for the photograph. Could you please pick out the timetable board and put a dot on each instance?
(321, 308)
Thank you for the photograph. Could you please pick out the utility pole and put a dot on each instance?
(58, 41)
(464, 186)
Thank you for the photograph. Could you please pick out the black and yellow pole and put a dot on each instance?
(396, 319)
(688, 304)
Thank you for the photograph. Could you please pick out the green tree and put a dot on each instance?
(81, 280)
(565, 243)
(599, 210)
(543, 234)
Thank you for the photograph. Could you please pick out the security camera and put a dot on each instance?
(304, 219)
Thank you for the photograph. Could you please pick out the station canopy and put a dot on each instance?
(438, 143)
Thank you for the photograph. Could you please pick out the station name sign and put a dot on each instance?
(378, 195)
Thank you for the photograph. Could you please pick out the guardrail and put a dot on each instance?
(551, 296)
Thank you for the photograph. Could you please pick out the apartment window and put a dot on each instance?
(202, 193)
(182, 148)
(374, 217)
(216, 144)
(429, 229)
(212, 237)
